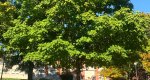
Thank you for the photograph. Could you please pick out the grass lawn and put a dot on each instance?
(12, 79)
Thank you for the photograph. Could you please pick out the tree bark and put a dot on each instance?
(46, 70)
(78, 65)
(2, 70)
(30, 70)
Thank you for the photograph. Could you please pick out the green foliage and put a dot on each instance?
(120, 37)
(1, 50)
(67, 32)
(57, 50)
(6, 16)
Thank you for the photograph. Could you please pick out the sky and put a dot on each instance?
(141, 5)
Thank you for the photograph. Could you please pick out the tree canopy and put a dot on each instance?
(75, 32)
(6, 17)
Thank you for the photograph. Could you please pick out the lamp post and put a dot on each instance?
(136, 73)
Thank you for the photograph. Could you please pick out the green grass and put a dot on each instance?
(13, 79)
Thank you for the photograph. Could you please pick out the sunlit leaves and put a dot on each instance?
(146, 61)
(57, 50)
(112, 72)
(6, 16)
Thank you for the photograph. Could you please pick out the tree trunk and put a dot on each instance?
(30, 70)
(2, 70)
(78, 73)
(59, 70)
(78, 65)
(46, 70)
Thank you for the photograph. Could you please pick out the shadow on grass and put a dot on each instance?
(13, 79)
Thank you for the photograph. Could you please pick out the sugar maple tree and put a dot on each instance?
(78, 32)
